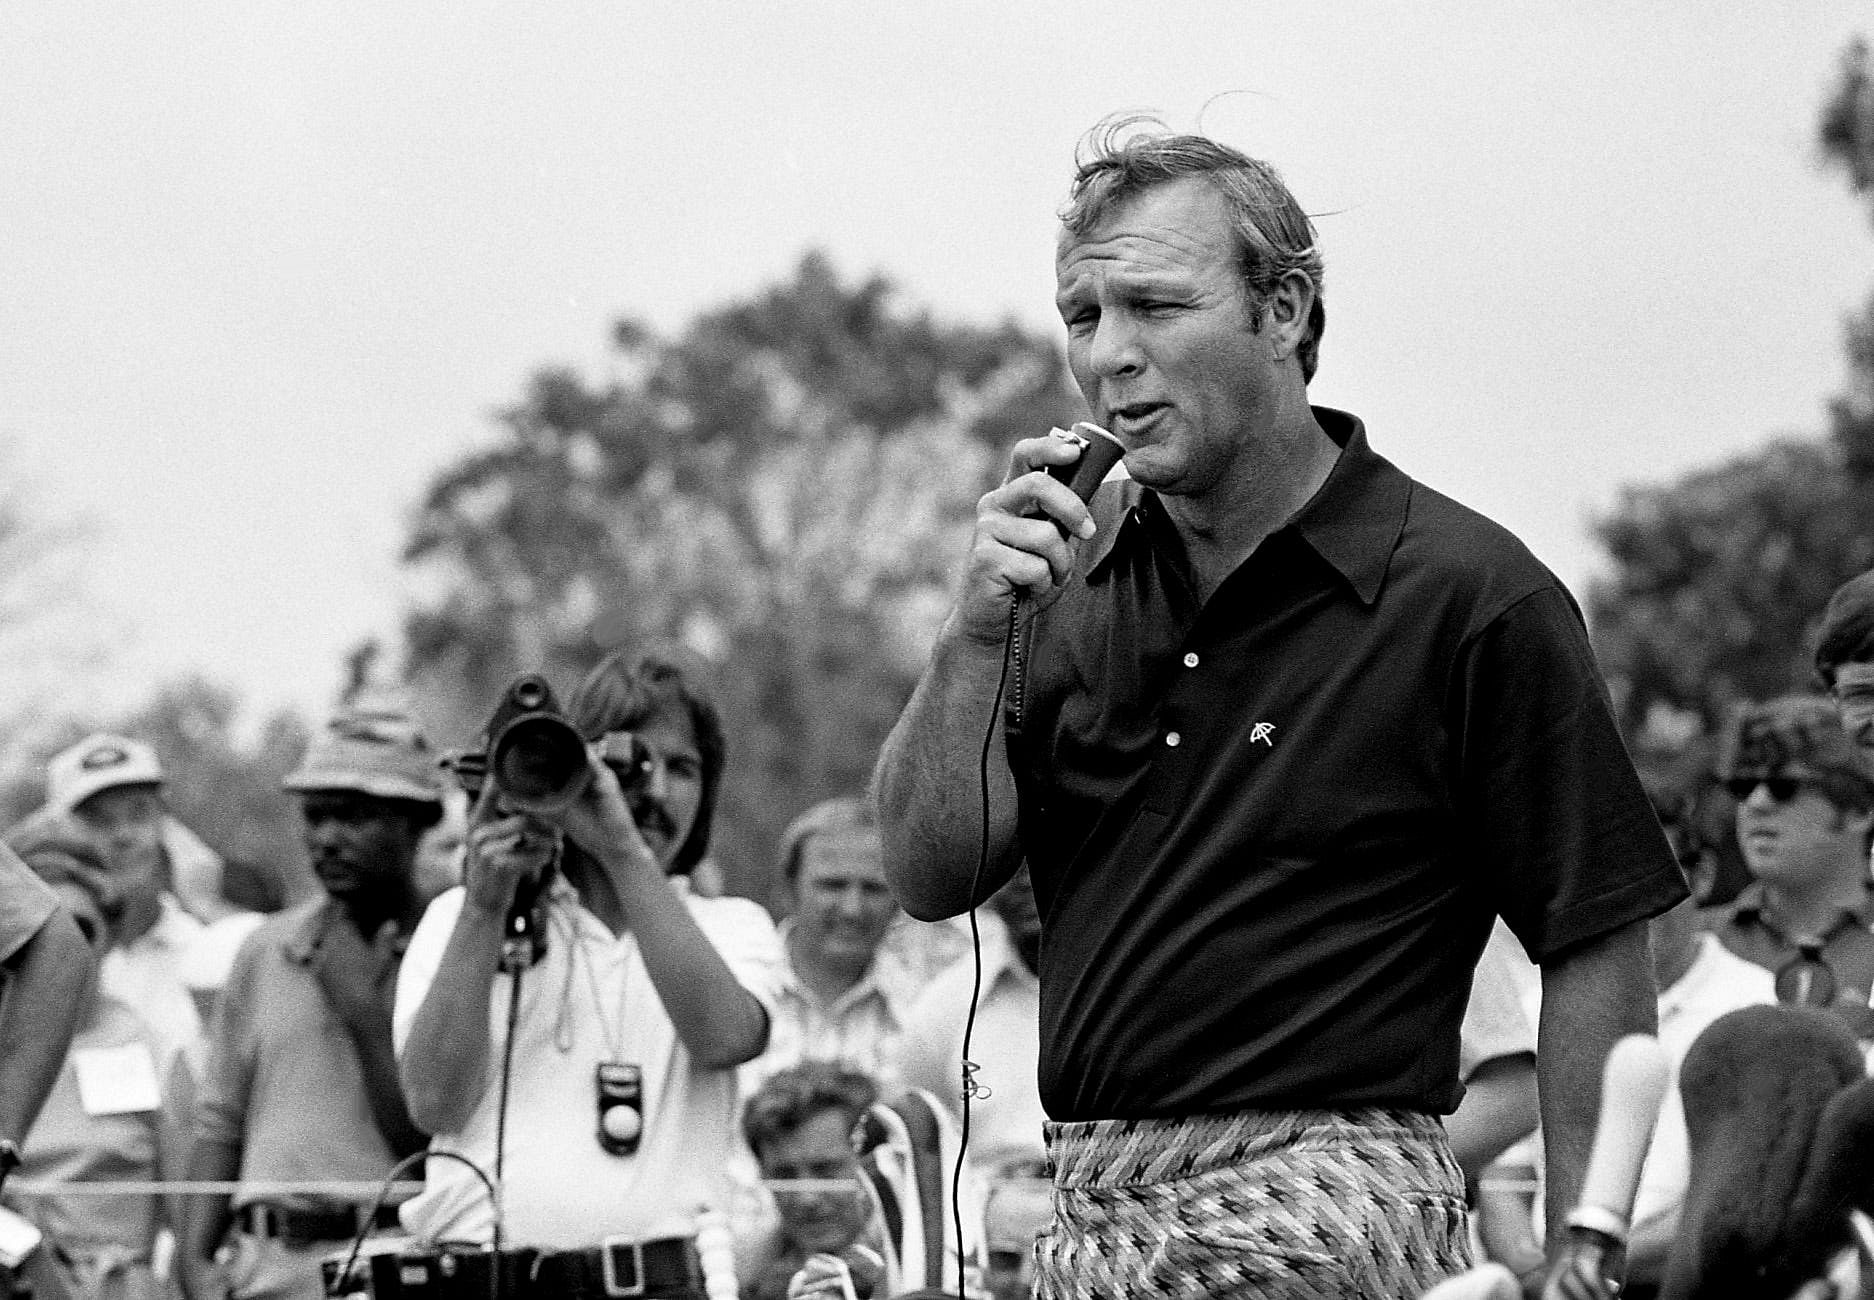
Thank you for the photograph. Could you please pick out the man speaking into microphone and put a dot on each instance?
(1283, 731)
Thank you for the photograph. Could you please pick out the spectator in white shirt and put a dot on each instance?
(842, 999)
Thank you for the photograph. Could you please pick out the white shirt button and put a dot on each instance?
(1190, 659)
(1172, 738)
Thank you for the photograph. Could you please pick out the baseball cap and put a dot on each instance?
(1794, 736)
(374, 751)
(1847, 634)
(98, 762)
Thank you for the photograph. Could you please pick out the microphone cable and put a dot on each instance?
(972, 1087)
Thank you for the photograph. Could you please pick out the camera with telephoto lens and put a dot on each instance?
(534, 758)
(531, 759)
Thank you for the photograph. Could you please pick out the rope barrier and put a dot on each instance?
(362, 1193)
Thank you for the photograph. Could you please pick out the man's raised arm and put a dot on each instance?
(929, 781)
(929, 785)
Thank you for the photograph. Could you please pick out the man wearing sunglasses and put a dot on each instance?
(1804, 812)
(1844, 662)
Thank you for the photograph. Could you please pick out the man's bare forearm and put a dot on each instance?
(1592, 995)
(717, 1020)
(444, 1068)
(207, 1218)
(929, 784)
(47, 982)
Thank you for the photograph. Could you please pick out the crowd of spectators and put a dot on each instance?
(672, 1090)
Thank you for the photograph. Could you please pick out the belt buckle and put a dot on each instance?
(612, 1252)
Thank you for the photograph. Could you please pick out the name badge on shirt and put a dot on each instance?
(117, 1080)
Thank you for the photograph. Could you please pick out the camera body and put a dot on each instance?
(534, 758)
(466, 1273)
(530, 758)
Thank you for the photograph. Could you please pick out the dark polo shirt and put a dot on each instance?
(1269, 833)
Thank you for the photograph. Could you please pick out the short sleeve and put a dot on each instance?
(422, 958)
(743, 933)
(1566, 845)
(227, 1078)
(26, 904)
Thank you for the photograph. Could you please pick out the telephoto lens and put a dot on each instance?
(536, 759)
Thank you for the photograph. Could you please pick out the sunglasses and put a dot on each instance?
(1782, 788)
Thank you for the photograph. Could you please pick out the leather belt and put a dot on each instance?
(618, 1269)
(294, 1225)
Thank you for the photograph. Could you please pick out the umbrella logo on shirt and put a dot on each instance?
(1262, 731)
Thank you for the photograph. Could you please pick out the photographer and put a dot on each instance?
(609, 1118)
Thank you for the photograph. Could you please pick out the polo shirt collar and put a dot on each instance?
(1748, 907)
(301, 941)
(1353, 522)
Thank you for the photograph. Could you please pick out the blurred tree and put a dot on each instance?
(783, 488)
(48, 633)
(1718, 579)
(226, 787)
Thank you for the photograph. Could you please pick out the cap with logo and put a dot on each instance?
(1794, 736)
(98, 762)
(375, 751)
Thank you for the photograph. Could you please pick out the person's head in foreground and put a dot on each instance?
(832, 864)
(1804, 806)
(673, 794)
(800, 1124)
(368, 793)
(1189, 280)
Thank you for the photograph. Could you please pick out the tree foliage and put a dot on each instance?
(783, 488)
(1719, 577)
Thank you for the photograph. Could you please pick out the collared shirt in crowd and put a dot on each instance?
(1747, 927)
(1716, 982)
(151, 974)
(100, 1124)
(860, 1028)
(284, 1082)
(1005, 1043)
(588, 1000)
(1268, 831)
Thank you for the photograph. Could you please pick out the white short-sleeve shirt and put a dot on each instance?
(588, 1000)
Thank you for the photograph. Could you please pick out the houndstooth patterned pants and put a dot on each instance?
(1268, 1205)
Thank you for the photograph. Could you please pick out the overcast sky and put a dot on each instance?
(266, 266)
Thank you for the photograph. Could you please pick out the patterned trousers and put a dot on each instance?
(1270, 1205)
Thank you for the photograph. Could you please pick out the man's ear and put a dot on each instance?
(1286, 320)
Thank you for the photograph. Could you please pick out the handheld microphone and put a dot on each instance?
(1099, 452)
(1633, 1086)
